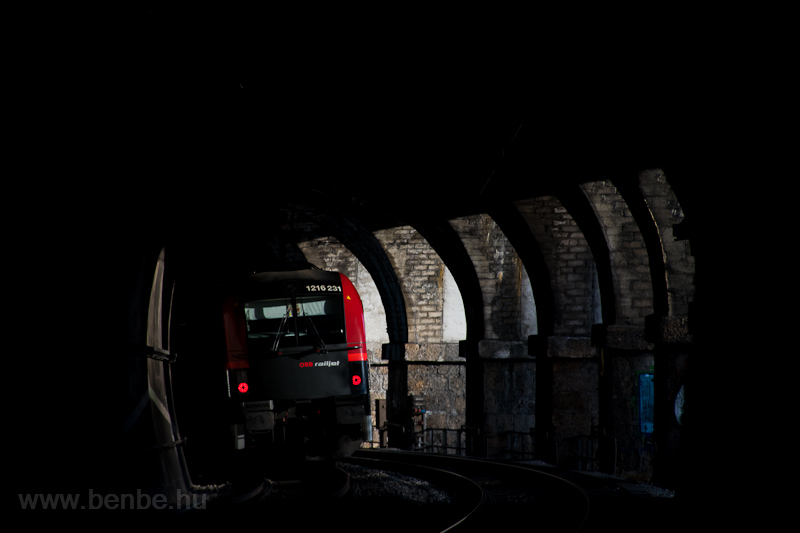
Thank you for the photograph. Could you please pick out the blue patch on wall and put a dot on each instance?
(646, 404)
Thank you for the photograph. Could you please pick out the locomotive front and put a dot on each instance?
(296, 363)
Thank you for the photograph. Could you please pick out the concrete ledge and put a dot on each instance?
(491, 349)
(571, 347)
(668, 329)
(432, 352)
(397, 351)
(564, 347)
(620, 337)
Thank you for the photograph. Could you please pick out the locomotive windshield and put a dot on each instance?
(301, 321)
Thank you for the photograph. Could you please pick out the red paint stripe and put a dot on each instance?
(357, 356)
(354, 313)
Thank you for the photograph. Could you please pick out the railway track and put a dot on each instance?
(402, 496)
(360, 492)
(510, 493)
(398, 491)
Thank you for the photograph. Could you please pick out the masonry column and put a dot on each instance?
(627, 365)
(399, 430)
(672, 344)
(475, 417)
(544, 444)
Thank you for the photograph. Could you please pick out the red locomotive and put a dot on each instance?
(296, 362)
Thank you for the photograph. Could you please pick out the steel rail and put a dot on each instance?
(468, 466)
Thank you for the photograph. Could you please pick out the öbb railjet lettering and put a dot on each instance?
(308, 364)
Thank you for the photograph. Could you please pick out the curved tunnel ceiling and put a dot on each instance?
(245, 117)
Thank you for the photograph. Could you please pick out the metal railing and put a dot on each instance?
(596, 452)
(443, 440)
(593, 452)
(519, 445)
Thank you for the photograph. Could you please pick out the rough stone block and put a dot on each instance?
(493, 349)
(572, 347)
(620, 337)
(668, 330)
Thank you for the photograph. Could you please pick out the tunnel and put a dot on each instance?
(546, 272)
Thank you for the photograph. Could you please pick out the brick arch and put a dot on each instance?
(448, 245)
(566, 265)
(667, 212)
(516, 230)
(577, 205)
(628, 188)
(629, 255)
(369, 251)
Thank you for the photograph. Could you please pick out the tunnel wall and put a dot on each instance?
(630, 268)
(435, 368)
(667, 213)
(571, 271)
(568, 362)
(423, 278)
(583, 369)
(500, 273)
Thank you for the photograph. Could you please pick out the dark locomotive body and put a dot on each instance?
(296, 363)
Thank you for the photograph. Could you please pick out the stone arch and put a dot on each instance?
(516, 230)
(628, 254)
(637, 204)
(448, 245)
(563, 262)
(577, 205)
(667, 213)
(369, 251)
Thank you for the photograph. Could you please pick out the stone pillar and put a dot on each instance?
(566, 396)
(574, 365)
(544, 432)
(624, 354)
(397, 396)
(431, 371)
(475, 401)
(672, 344)
(509, 385)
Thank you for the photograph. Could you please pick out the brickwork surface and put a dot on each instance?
(500, 274)
(569, 261)
(435, 369)
(630, 265)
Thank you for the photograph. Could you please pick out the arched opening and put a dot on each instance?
(454, 321)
